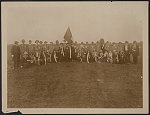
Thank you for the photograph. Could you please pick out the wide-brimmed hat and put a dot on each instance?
(41, 42)
(36, 41)
(30, 40)
(23, 40)
(16, 42)
(45, 41)
(134, 42)
(75, 42)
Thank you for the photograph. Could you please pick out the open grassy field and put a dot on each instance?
(75, 85)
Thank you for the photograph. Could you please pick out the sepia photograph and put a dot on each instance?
(75, 57)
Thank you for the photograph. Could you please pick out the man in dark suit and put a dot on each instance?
(126, 52)
(37, 52)
(67, 53)
(31, 57)
(135, 52)
(51, 48)
(16, 53)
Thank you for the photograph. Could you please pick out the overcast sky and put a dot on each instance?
(88, 21)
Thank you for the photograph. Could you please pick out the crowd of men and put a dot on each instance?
(43, 53)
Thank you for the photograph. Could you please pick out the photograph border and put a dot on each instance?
(145, 108)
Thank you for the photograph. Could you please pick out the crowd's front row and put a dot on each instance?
(54, 53)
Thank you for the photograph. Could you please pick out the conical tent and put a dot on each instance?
(68, 36)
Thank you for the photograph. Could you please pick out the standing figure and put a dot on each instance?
(70, 52)
(76, 52)
(122, 59)
(79, 56)
(51, 48)
(73, 51)
(95, 55)
(140, 52)
(16, 54)
(37, 52)
(120, 47)
(100, 56)
(107, 44)
(67, 53)
(81, 45)
(56, 48)
(135, 52)
(24, 53)
(45, 52)
(55, 56)
(88, 57)
(103, 48)
(105, 56)
(126, 51)
(42, 55)
(31, 54)
(110, 58)
(115, 57)
(41, 46)
(61, 52)
(130, 53)
(91, 47)
(83, 54)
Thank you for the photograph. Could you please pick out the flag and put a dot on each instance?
(68, 36)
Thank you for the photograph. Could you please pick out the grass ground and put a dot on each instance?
(75, 85)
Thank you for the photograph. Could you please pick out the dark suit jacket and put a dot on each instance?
(16, 52)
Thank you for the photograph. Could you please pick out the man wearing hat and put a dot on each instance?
(45, 51)
(41, 45)
(67, 52)
(45, 46)
(126, 52)
(120, 46)
(61, 53)
(73, 52)
(56, 48)
(107, 44)
(135, 52)
(31, 51)
(24, 52)
(30, 47)
(16, 54)
(37, 52)
(51, 48)
(98, 46)
(88, 47)
(41, 53)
